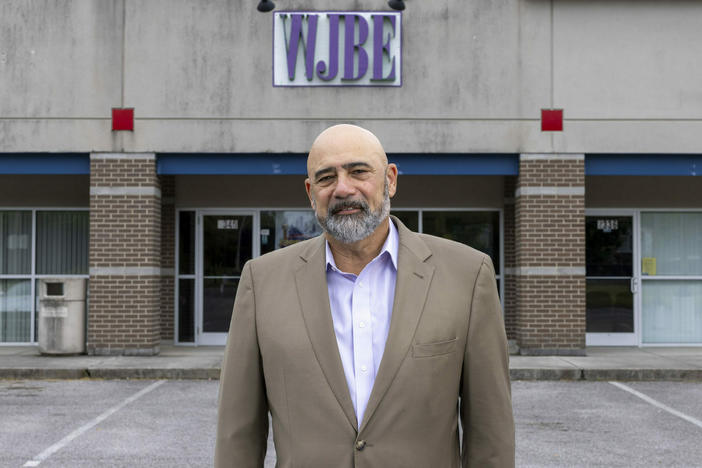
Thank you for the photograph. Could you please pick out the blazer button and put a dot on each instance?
(360, 444)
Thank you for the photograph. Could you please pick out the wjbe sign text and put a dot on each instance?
(337, 48)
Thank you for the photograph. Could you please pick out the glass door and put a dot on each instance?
(227, 242)
(611, 279)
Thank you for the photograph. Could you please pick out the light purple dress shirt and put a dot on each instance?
(361, 307)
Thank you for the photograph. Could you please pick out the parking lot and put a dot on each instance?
(91, 423)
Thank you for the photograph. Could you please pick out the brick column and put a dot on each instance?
(550, 254)
(125, 255)
(510, 289)
(168, 227)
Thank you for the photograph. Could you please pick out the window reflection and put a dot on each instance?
(478, 229)
(283, 228)
(186, 247)
(409, 218)
(610, 306)
(609, 245)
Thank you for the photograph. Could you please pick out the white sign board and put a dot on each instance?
(337, 48)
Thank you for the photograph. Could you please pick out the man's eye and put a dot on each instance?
(360, 171)
(324, 179)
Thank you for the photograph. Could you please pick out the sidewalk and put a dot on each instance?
(187, 362)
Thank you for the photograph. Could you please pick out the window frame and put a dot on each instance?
(33, 276)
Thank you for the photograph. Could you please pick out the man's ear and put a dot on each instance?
(308, 189)
(391, 174)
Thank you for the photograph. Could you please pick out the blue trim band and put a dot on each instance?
(296, 164)
(232, 164)
(456, 164)
(408, 164)
(45, 163)
(644, 164)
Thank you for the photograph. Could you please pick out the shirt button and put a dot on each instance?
(362, 324)
(360, 445)
(364, 368)
(360, 284)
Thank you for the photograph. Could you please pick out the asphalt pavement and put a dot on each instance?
(204, 362)
(172, 423)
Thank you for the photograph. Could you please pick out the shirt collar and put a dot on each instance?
(390, 246)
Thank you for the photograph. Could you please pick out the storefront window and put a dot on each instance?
(672, 312)
(282, 228)
(186, 277)
(15, 310)
(61, 249)
(15, 260)
(478, 229)
(186, 243)
(409, 219)
(671, 244)
(15, 242)
(186, 310)
(62, 242)
(671, 268)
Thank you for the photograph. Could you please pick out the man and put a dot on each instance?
(361, 341)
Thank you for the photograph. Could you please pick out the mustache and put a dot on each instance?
(348, 205)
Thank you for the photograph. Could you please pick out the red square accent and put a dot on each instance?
(123, 119)
(551, 120)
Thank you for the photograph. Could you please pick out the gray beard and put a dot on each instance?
(353, 228)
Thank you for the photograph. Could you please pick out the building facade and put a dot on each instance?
(151, 147)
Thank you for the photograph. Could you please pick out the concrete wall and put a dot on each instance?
(475, 77)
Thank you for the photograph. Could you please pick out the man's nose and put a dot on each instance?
(344, 186)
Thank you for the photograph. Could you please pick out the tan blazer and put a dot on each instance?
(446, 341)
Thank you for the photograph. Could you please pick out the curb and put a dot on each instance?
(41, 374)
(522, 374)
(110, 374)
(688, 375)
(599, 375)
(536, 374)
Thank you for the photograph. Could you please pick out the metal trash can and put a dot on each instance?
(61, 327)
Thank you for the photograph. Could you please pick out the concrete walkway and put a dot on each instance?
(612, 363)
(187, 362)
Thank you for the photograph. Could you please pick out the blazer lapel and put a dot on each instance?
(411, 288)
(311, 282)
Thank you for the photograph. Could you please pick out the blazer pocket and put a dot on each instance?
(433, 349)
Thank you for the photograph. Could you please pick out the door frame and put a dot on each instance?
(215, 339)
(623, 339)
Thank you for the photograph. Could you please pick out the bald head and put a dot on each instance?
(350, 184)
(342, 140)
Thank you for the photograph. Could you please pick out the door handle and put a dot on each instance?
(634, 286)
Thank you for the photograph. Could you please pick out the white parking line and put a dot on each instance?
(658, 404)
(66, 440)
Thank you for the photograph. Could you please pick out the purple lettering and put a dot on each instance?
(293, 44)
(333, 51)
(380, 49)
(351, 46)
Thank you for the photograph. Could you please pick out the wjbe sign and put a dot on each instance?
(338, 48)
